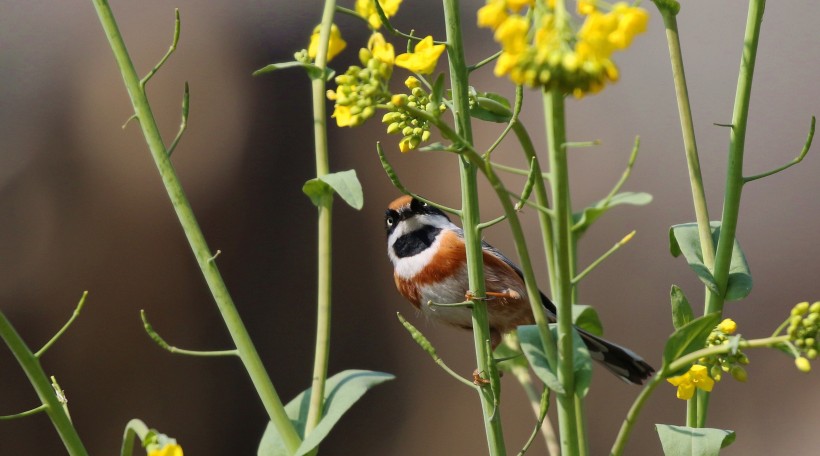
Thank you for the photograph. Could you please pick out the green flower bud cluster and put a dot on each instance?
(725, 362)
(804, 332)
(360, 89)
(400, 120)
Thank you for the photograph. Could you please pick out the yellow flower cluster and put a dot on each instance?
(367, 10)
(732, 362)
(360, 89)
(804, 332)
(553, 55)
(400, 120)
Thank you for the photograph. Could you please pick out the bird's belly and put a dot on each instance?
(448, 291)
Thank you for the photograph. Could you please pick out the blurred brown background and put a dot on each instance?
(82, 208)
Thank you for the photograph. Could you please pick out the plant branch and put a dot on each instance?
(233, 322)
(65, 326)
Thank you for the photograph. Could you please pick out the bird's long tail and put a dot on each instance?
(621, 361)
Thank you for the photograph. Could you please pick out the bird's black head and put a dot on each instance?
(404, 208)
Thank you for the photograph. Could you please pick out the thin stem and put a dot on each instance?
(688, 130)
(470, 220)
(524, 377)
(788, 165)
(42, 386)
(324, 254)
(562, 293)
(233, 322)
(632, 416)
(40, 408)
(133, 430)
(603, 257)
(480, 64)
(170, 348)
(62, 330)
(734, 172)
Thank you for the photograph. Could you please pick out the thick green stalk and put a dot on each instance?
(34, 371)
(734, 171)
(247, 352)
(562, 293)
(324, 254)
(689, 143)
(472, 237)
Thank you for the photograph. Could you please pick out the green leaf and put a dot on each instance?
(685, 239)
(497, 98)
(437, 146)
(481, 113)
(581, 221)
(686, 441)
(681, 310)
(345, 183)
(586, 318)
(690, 337)
(534, 351)
(341, 392)
(313, 71)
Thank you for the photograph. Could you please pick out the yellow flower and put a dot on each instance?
(334, 47)
(512, 34)
(631, 21)
(697, 377)
(517, 5)
(343, 116)
(171, 449)
(727, 326)
(424, 57)
(586, 7)
(367, 10)
(492, 14)
(381, 50)
(411, 82)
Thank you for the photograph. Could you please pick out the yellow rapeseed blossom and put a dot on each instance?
(381, 50)
(360, 89)
(728, 326)
(334, 47)
(367, 10)
(802, 364)
(697, 377)
(171, 449)
(493, 14)
(424, 57)
(586, 7)
(555, 55)
(517, 5)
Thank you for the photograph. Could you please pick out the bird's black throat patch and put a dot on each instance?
(415, 242)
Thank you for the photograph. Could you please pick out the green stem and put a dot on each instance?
(239, 334)
(42, 386)
(632, 416)
(734, 172)
(133, 430)
(562, 293)
(689, 142)
(323, 300)
(470, 220)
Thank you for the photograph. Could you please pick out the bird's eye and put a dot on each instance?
(390, 221)
(423, 204)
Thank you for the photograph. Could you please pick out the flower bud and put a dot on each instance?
(802, 364)
(800, 309)
(739, 374)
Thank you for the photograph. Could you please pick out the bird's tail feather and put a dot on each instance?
(621, 361)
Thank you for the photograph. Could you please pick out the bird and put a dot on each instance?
(429, 260)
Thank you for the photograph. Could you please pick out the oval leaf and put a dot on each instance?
(341, 392)
(681, 310)
(347, 185)
(686, 441)
(534, 351)
(685, 239)
(586, 318)
(690, 337)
